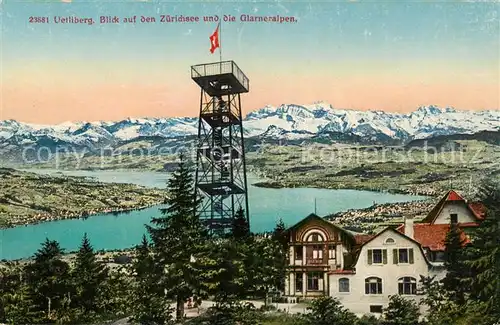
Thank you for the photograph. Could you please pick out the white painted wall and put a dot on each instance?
(359, 302)
(459, 208)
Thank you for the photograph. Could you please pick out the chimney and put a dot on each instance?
(409, 231)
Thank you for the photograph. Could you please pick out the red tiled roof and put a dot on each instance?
(432, 236)
(453, 196)
(476, 208)
(362, 238)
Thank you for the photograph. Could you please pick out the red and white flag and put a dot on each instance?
(214, 40)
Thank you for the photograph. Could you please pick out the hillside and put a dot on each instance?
(415, 170)
(29, 198)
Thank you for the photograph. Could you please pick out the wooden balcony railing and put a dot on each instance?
(315, 261)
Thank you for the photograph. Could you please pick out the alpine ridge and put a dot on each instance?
(287, 122)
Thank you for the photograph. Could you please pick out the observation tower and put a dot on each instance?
(221, 179)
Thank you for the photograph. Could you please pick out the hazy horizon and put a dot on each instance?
(391, 57)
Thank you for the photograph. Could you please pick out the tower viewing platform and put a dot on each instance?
(220, 78)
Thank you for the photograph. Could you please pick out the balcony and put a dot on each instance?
(315, 261)
(220, 78)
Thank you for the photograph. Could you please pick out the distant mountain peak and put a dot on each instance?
(287, 121)
(431, 109)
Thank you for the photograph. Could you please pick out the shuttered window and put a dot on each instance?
(377, 256)
(403, 256)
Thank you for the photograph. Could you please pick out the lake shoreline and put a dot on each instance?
(281, 185)
(106, 211)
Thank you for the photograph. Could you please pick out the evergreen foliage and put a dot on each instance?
(179, 240)
(240, 228)
(457, 271)
(149, 305)
(48, 281)
(401, 311)
(327, 311)
(89, 280)
(486, 262)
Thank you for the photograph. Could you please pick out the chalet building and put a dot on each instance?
(317, 248)
(362, 271)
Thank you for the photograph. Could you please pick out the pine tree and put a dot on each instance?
(486, 241)
(149, 305)
(14, 298)
(457, 271)
(240, 227)
(280, 234)
(266, 266)
(328, 311)
(48, 280)
(225, 273)
(280, 246)
(179, 239)
(89, 277)
(401, 311)
(230, 271)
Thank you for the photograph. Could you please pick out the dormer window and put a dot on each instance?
(454, 218)
(390, 241)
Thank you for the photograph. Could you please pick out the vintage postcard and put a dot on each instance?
(249, 162)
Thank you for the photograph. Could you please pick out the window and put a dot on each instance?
(315, 237)
(407, 286)
(317, 252)
(343, 285)
(454, 218)
(331, 252)
(377, 256)
(436, 256)
(373, 286)
(313, 281)
(376, 309)
(403, 255)
(440, 257)
(390, 241)
(299, 283)
(299, 252)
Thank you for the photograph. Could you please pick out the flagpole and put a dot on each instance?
(220, 46)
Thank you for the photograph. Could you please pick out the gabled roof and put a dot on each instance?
(432, 236)
(313, 216)
(476, 208)
(397, 233)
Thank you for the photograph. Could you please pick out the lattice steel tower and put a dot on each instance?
(221, 178)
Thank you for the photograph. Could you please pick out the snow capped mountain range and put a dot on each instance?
(288, 121)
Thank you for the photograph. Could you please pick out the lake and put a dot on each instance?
(108, 231)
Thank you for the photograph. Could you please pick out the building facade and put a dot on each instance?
(363, 271)
(316, 248)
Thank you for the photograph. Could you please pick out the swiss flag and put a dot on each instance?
(214, 40)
